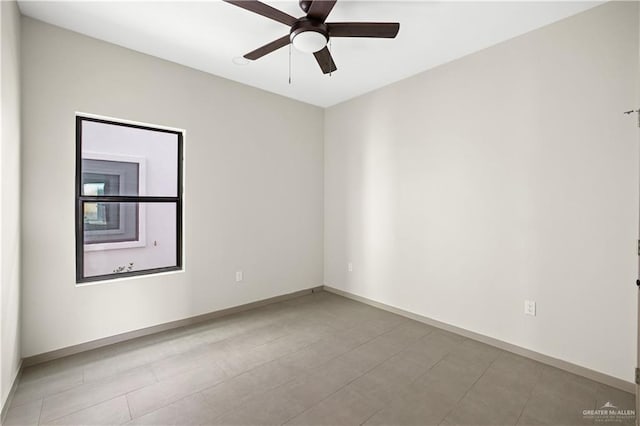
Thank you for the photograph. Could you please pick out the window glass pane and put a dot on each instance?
(126, 237)
(128, 161)
(111, 222)
(100, 177)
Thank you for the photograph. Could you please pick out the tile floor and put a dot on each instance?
(319, 359)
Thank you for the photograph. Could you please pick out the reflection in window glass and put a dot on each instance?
(94, 213)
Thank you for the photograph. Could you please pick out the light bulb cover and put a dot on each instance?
(309, 41)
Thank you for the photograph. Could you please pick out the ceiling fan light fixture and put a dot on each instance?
(309, 41)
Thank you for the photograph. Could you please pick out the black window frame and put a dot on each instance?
(81, 199)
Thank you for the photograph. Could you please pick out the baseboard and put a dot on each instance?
(536, 356)
(12, 392)
(94, 344)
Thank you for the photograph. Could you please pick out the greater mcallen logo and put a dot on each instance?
(609, 412)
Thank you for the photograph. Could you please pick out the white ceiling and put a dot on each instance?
(208, 35)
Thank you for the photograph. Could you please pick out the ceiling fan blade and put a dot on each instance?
(320, 9)
(268, 48)
(325, 61)
(364, 29)
(264, 10)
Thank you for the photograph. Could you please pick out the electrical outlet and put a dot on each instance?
(350, 267)
(530, 307)
(238, 276)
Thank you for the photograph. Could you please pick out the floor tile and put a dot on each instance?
(621, 399)
(24, 415)
(345, 407)
(472, 352)
(423, 354)
(486, 408)
(112, 412)
(374, 352)
(237, 362)
(92, 393)
(258, 336)
(411, 330)
(554, 409)
(157, 395)
(121, 361)
(192, 410)
(624, 402)
(439, 342)
(294, 342)
(448, 378)
(45, 386)
(497, 387)
(566, 385)
(47, 369)
(517, 364)
(471, 412)
(271, 408)
(237, 390)
(339, 370)
(284, 402)
(317, 353)
(183, 362)
(381, 384)
(232, 393)
(420, 409)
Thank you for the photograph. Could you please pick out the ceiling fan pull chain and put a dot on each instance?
(289, 63)
(330, 49)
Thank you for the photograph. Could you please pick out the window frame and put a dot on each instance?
(81, 199)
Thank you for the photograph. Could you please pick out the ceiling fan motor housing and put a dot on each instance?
(308, 35)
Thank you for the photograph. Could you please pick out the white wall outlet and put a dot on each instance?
(350, 267)
(530, 307)
(238, 276)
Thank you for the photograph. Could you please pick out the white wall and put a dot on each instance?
(253, 194)
(9, 196)
(507, 175)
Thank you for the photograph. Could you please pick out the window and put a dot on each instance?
(128, 199)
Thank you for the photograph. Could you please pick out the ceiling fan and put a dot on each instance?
(311, 33)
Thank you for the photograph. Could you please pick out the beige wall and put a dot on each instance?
(253, 194)
(507, 175)
(9, 196)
